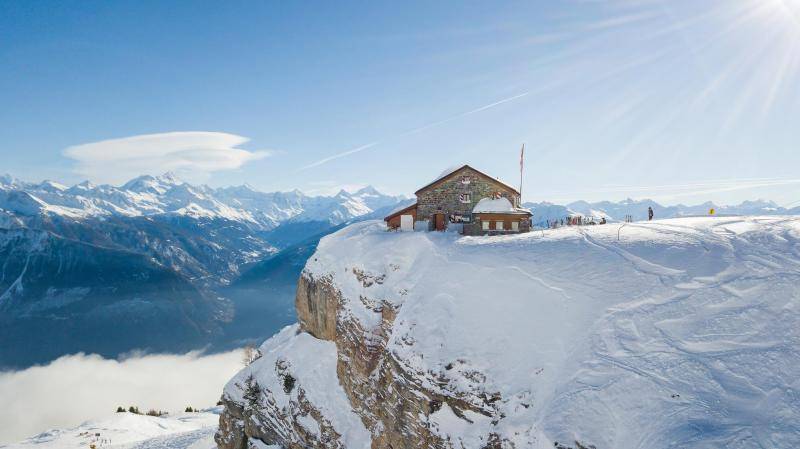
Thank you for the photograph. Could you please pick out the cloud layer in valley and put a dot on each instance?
(80, 387)
(191, 154)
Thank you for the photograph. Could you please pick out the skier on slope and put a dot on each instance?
(649, 213)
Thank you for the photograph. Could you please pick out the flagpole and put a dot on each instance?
(521, 165)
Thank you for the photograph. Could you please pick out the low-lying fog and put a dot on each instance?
(81, 387)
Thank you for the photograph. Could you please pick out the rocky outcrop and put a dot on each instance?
(392, 402)
(399, 403)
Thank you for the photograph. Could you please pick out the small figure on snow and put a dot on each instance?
(649, 213)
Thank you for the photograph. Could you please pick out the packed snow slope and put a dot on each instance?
(679, 333)
(132, 431)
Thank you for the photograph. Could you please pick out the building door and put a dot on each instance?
(406, 222)
(438, 219)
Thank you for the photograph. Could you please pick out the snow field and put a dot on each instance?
(132, 431)
(674, 333)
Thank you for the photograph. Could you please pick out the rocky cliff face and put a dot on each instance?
(391, 400)
(430, 340)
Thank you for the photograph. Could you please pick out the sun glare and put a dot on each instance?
(762, 34)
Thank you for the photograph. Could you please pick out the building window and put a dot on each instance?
(465, 198)
(498, 225)
(466, 180)
(515, 226)
(485, 225)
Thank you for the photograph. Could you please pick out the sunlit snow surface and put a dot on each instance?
(130, 431)
(680, 333)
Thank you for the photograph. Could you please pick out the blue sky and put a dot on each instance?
(680, 101)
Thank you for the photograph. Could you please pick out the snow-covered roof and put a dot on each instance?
(499, 205)
(449, 171)
(490, 205)
(402, 208)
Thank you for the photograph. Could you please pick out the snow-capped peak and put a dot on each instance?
(8, 181)
(368, 190)
(152, 184)
(169, 178)
(51, 186)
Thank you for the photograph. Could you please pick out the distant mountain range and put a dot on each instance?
(161, 265)
(152, 264)
(167, 195)
(637, 209)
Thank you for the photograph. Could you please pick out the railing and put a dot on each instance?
(571, 221)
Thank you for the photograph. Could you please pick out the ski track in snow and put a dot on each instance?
(620, 344)
(641, 264)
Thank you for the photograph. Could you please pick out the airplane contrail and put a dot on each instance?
(412, 131)
(337, 156)
(463, 114)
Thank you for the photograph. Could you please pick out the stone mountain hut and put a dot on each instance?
(466, 200)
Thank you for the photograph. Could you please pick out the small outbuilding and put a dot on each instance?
(499, 216)
(403, 218)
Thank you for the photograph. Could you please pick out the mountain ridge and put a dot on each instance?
(198, 238)
(152, 195)
(637, 209)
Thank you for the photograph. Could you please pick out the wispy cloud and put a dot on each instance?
(191, 154)
(619, 21)
(412, 131)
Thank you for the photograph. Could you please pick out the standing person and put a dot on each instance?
(649, 213)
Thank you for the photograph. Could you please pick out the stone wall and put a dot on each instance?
(444, 197)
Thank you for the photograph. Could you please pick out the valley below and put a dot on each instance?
(155, 265)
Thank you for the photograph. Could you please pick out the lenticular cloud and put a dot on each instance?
(192, 153)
